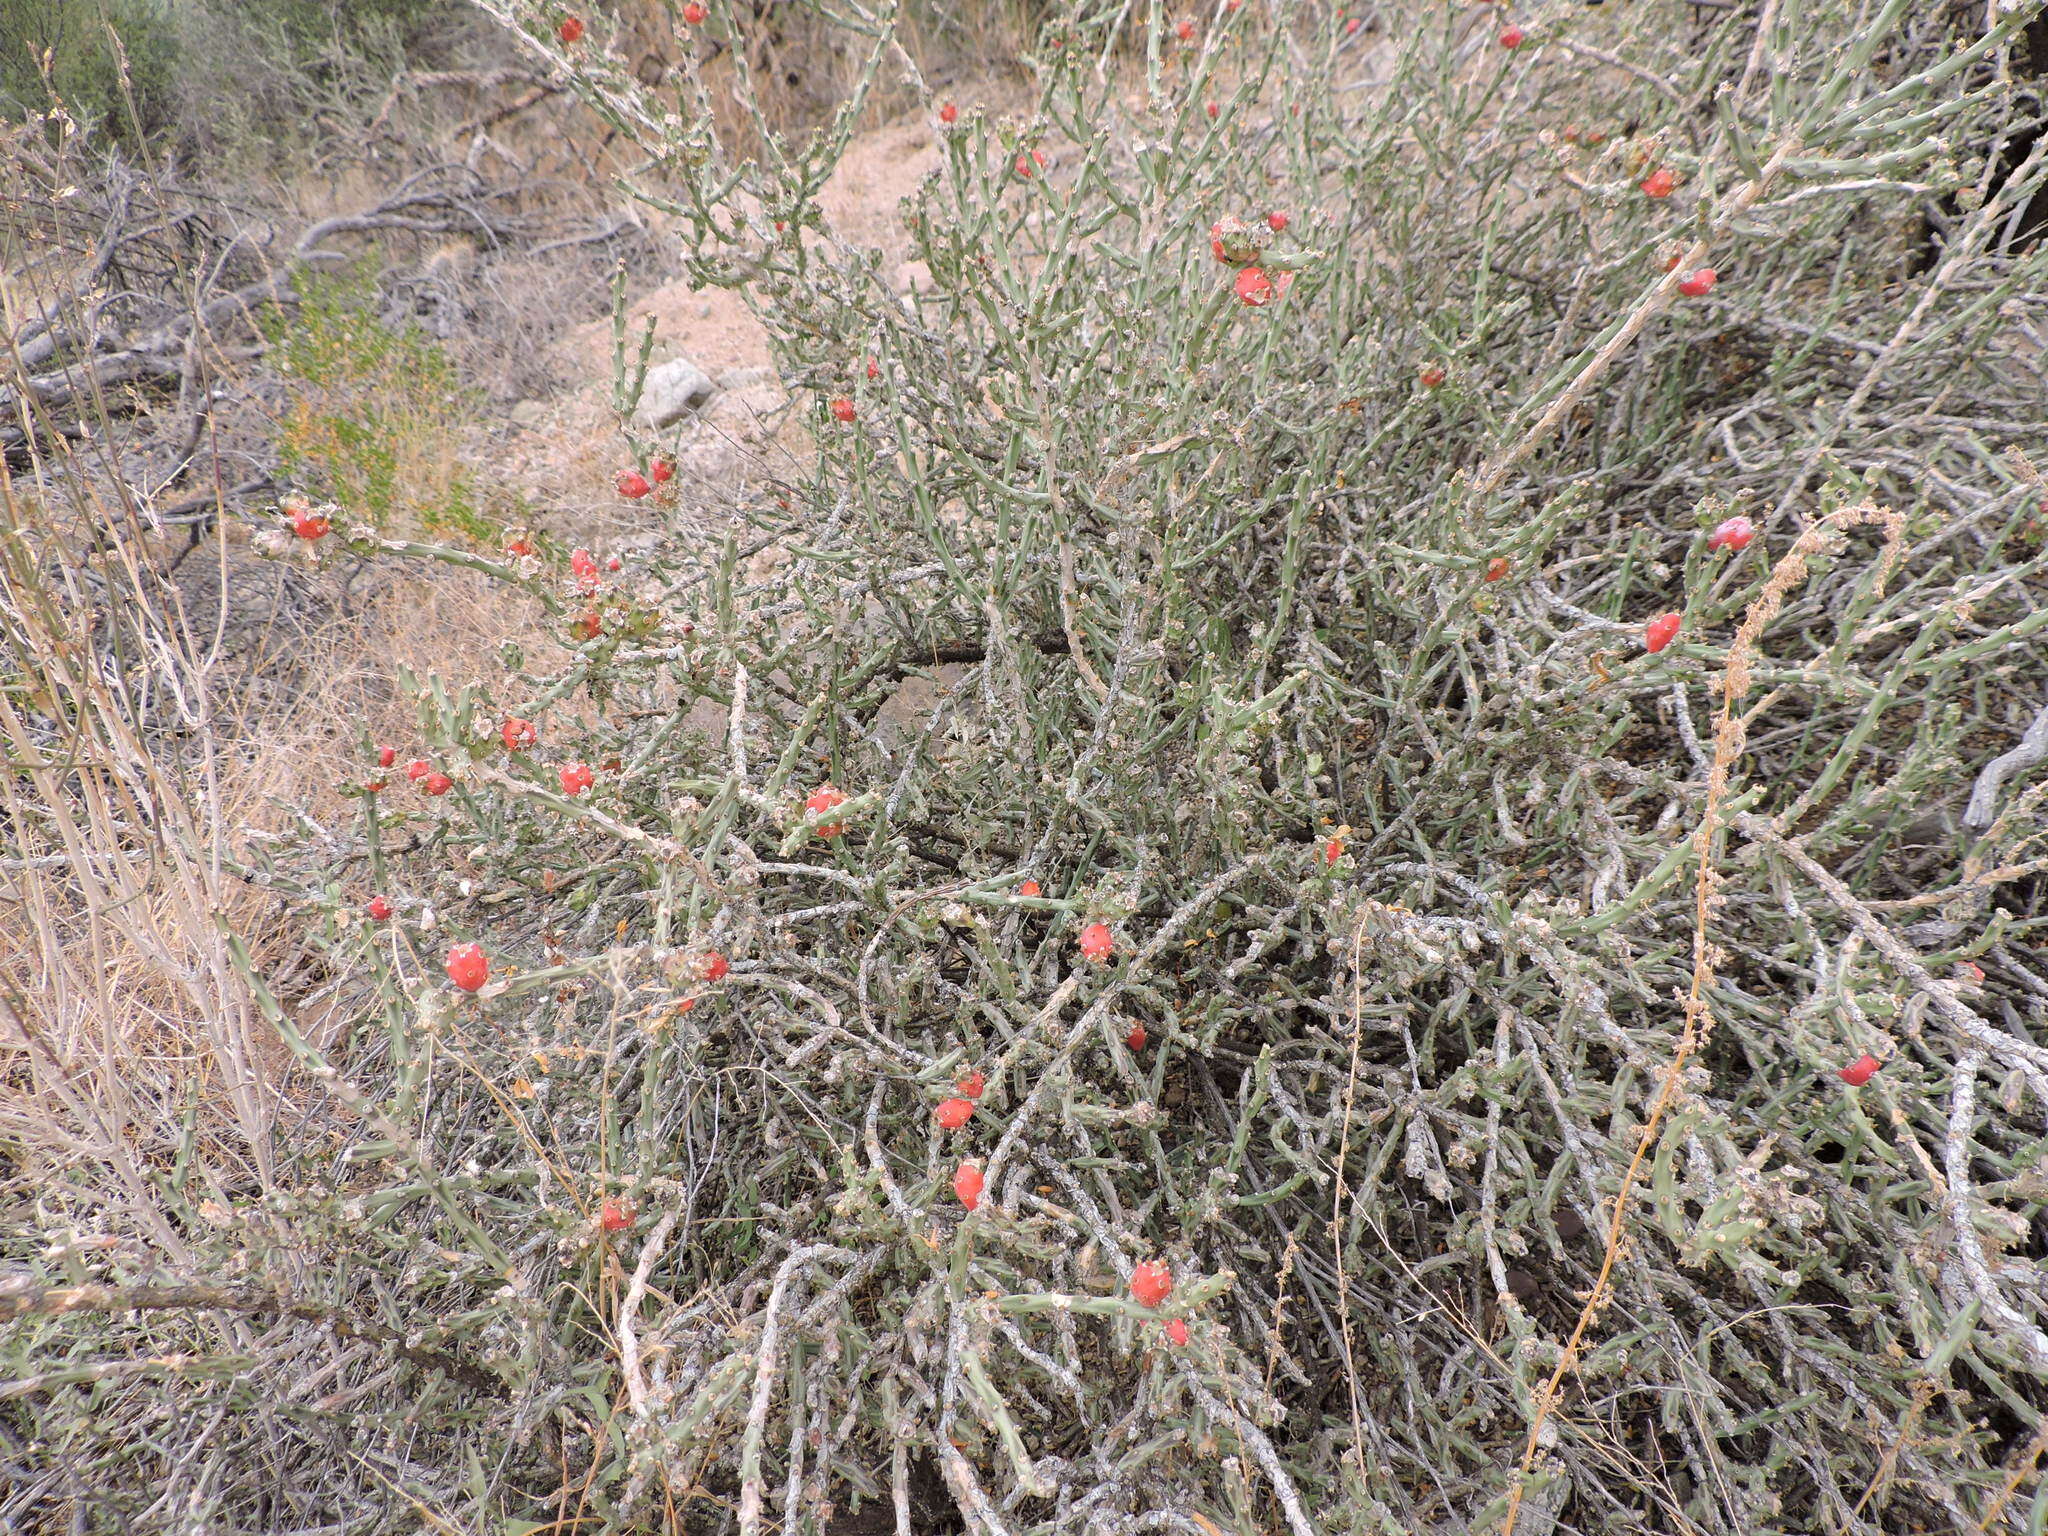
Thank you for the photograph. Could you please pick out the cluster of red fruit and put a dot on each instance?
(633, 485)
(1238, 244)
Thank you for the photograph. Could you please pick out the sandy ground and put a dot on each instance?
(569, 450)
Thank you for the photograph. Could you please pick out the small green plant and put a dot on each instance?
(376, 415)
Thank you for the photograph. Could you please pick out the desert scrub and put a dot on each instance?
(1427, 1000)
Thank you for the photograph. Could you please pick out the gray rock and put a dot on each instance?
(673, 390)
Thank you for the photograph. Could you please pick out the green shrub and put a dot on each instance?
(376, 416)
(1459, 925)
(128, 91)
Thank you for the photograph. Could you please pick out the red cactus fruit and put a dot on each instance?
(1176, 1330)
(970, 1084)
(518, 734)
(1276, 222)
(1097, 941)
(584, 568)
(821, 800)
(1699, 284)
(1860, 1071)
(694, 14)
(520, 547)
(1185, 31)
(954, 1113)
(386, 756)
(1211, 110)
(1028, 888)
(588, 627)
(467, 967)
(1660, 632)
(1254, 288)
(437, 784)
(1136, 1038)
(948, 113)
(842, 409)
(308, 524)
(1513, 37)
(571, 29)
(1659, 183)
(967, 1184)
(1432, 375)
(713, 966)
(1733, 533)
(662, 470)
(1333, 850)
(379, 909)
(615, 1215)
(1150, 1283)
(418, 769)
(576, 778)
(632, 484)
(1497, 568)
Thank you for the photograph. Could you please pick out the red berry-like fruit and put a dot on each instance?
(1022, 166)
(1028, 888)
(576, 778)
(821, 800)
(589, 627)
(1860, 1071)
(518, 734)
(1176, 1331)
(1351, 27)
(874, 370)
(1136, 1039)
(571, 29)
(1333, 850)
(520, 547)
(1097, 941)
(1660, 632)
(954, 1113)
(1185, 31)
(1150, 1284)
(613, 563)
(386, 756)
(1701, 282)
(308, 525)
(377, 784)
(438, 784)
(467, 967)
(1513, 37)
(584, 568)
(842, 409)
(967, 1184)
(379, 909)
(1211, 109)
(1734, 533)
(948, 113)
(714, 966)
(1497, 568)
(1659, 183)
(1432, 375)
(1254, 287)
(663, 471)
(694, 14)
(632, 484)
(1276, 222)
(615, 1216)
(970, 1084)
(418, 769)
